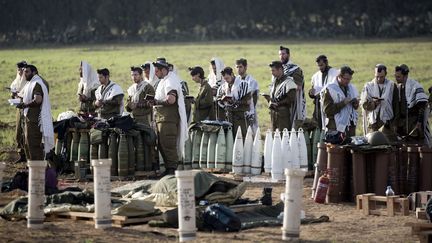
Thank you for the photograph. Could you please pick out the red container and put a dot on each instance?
(322, 188)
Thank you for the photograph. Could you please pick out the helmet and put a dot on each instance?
(377, 138)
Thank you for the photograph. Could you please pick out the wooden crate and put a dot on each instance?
(117, 221)
(422, 230)
(421, 213)
(394, 205)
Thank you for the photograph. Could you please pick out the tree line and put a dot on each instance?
(98, 21)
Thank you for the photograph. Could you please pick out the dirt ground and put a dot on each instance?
(346, 225)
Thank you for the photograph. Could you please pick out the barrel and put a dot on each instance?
(413, 166)
(139, 153)
(393, 168)
(381, 172)
(315, 139)
(75, 145)
(203, 150)
(103, 148)
(58, 146)
(84, 147)
(337, 174)
(187, 157)
(211, 150)
(403, 169)
(425, 164)
(123, 165)
(113, 153)
(131, 154)
(196, 141)
(309, 150)
(229, 149)
(68, 145)
(359, 173)
(322, 158)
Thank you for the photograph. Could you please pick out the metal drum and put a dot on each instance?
(113, 153)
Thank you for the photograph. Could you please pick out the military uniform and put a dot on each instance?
(170, 120)
(409, 117)
(331, 108)
(32, 133)
(203, 108)
(142, 113)
(241, 103)
(283, 92)
(88, 105)
(369, 106)
(111, 107)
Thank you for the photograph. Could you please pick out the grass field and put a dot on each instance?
(59, 65)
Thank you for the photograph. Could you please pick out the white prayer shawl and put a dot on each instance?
(385, 108)
(415, 93)
(319, 86)
(239, 89)
(317, 82)
(89, 80)
(168, 83)
(215, 80)
(18, 84)
(253, 87)
(45, 116)
(109, 93)
(152, 76)
(135, 90)
(347, 114)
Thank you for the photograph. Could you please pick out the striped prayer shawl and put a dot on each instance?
(347, 114)
(279, 92)
(415, 93)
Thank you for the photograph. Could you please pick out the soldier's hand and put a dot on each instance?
(133, 105)
(312, 92)
(82, 98)
(21, 105)
(98, 103)
(346, 101)
(376, 102)
(273, 105)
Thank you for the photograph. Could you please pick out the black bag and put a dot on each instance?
(218, 217)
(336, 137)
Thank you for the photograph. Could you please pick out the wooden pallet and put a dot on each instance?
(394, 205)
(117, 221)
(422, 230)
(421, 213)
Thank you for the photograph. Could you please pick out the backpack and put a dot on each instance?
(218, 217)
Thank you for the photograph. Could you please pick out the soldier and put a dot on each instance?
(140, 95)
(36, 108)
(185, 89)
(294, 71)
(149, 74)
(413, 122)
(380, 99)
(203, 103)
(340, 103)
(282, 98)
(16, 86)
(170, 116)
(241, 66)
(319, 80)
(236, 99)
(89, 82)
(109, 96)
(215, 80)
